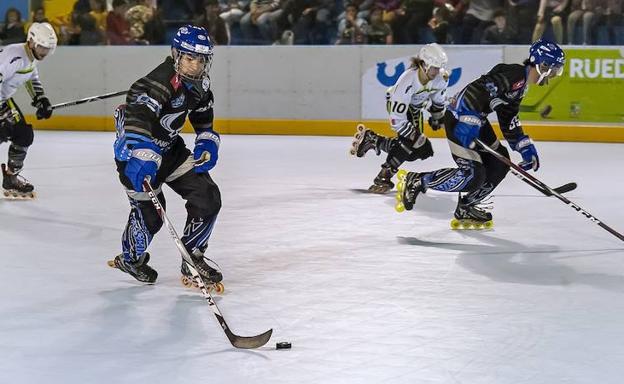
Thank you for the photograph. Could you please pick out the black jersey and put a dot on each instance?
(157, 105)
(500, 90)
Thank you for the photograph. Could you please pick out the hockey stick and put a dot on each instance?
(88, 99)
(244, 342)
(546, 190)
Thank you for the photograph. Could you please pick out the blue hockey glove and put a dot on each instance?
(525, 146)
(467, 133)
(206, 151)
(44, 108)
(144, 161)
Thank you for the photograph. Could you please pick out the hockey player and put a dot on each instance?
(149, 146)
(18, 65)
(422, 85)
(500, 90)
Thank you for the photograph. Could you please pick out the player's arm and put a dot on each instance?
(438, 102)
(207, 141)
(6, 72)
(39, 100)
(136, 145)
(398, 100)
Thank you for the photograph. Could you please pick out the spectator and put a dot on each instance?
(478, 17)
(379, 32)
(13, 29)
(300, 19)
(146, 25)
(352, 29)
(613, 20)
(262, 16)
(37, 16)
(90, 34)
(233, 12)
(412, 20)
(553, 11)
(99, 14)
(117, 27)
(216, 27)
(586, 11)
(497, 33)
(439, 24)
(521, 18)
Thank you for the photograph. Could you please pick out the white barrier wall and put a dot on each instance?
(267, 89)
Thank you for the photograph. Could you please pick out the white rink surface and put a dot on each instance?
(365, 295)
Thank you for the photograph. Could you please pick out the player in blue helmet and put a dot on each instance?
(192, 53)
(148, 145)
(548, 60)
(478, 172)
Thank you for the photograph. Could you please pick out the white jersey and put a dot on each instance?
(409, 94)
(17, 68)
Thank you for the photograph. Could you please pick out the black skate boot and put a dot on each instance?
(210, 275)
(363, 141)
(138, 269)
(16, 186)
(471, 216)
(383, 182)
(409, 186)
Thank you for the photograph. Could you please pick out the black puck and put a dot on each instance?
(283, 345)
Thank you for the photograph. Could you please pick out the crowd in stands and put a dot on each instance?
(322, 22)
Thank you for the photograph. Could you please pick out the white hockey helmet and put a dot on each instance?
(433, 55)
(43, 35)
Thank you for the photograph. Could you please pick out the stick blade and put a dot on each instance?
(250, 342)
(569, 187)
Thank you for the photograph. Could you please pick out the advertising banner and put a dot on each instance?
(591, 89)
(465, 64)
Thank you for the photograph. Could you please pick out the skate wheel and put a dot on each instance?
(455, 224)
(399, 207)
(111, 263)
(219, 288)
(400, 186)
(360, 128)
(188, 283)
(352, 152)
(401, 174)
(489, 224)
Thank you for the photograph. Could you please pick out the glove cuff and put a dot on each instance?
(209, 135)
(521, 142)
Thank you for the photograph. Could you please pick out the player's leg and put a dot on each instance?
(20, 134)
(203, 203)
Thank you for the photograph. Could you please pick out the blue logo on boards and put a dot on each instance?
(390, 80)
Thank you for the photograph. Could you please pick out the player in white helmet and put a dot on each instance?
(422, 86)
(18, 66)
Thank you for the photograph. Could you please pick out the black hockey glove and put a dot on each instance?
(44, 108)
(435, 124)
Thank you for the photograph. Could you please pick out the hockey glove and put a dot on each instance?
(144, 162)
(206, 151)
(435, 124)
(466, 134)
(525, 146)
(44, 108)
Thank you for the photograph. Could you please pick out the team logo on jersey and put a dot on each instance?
(178, 101)
(517, 85)
(206, 84)
(149, 102)
(168, 120)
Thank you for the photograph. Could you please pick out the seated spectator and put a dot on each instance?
(216, 27)
(146, 25)
(479, 16)
(12, 31)
(379, 32)
(440, 22)
(117, 27)
(37, 16)
(585, 12)
(613, 20)
(352, 29)
(389, 8)
(521, 18)
(497, 33)
(233, 12)
(262, 15)
(411, 21)
(99, 13)
(90, 34)
(552, 11)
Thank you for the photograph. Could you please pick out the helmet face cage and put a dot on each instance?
(193, 43)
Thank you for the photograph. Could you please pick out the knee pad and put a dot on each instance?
(207, 201)
(404, 149)
(473, 171)
(23, 135)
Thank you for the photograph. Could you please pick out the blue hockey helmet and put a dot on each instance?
(548, 58)
(193, 44)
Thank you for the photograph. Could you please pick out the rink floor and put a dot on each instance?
(364, 294)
